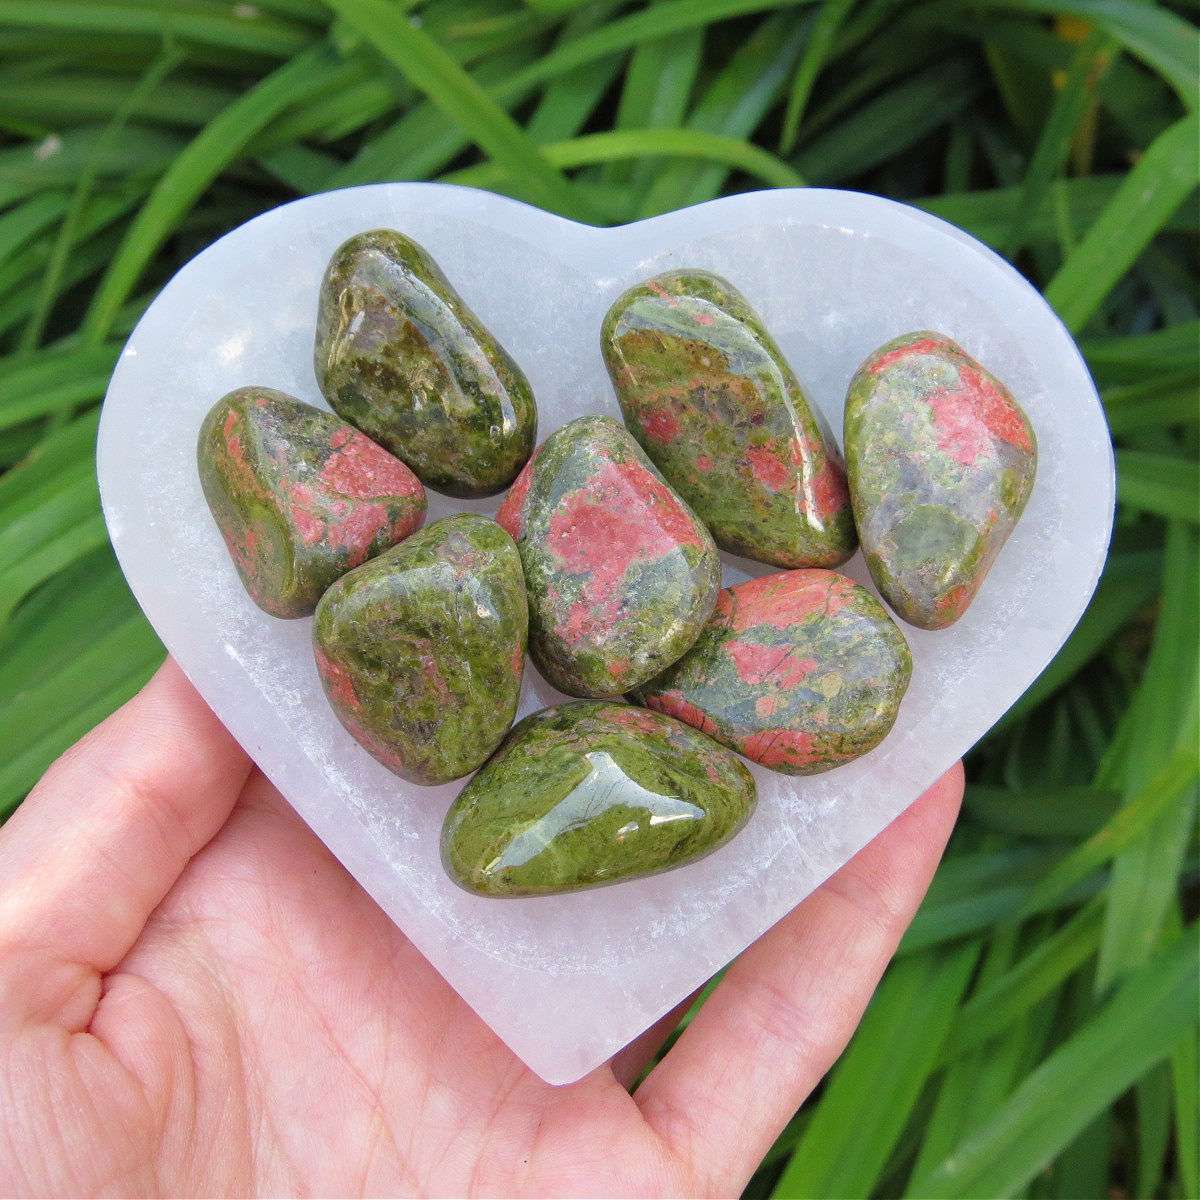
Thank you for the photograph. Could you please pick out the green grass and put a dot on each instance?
(1037, 1035)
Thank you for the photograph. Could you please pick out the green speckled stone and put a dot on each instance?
(299, 496)
(801, 671)
(713, 402)
(621, 574)
(401, 356)
(421, 650)
(590, 793)
(941, 461)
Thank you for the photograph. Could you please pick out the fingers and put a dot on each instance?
(103, 837)
(629, 1063)
(787, 1007)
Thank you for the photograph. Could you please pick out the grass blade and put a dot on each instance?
(1163, 721)
(429, 68)
(876, 1082)
(1162, 40)
(254, 32)
(1131, 822)
(999, 1002)
(1061, 814)
(658, 86)
(1137, 1028)
(1185, 1071)
(624, 144)
(1159, 483)
(1149, 194)
(732, 105)
(820, 40)
(892, 122)
(219, 144)
(1058, 133)
(68, 232)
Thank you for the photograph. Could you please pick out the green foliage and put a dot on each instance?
(1038, 1034)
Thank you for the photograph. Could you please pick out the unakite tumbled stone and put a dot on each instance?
(401, 356)
(941, 461)
(713, 402)
(590, 793)
(800, 671)
(421, 650)
(621, 574)
(299, 496)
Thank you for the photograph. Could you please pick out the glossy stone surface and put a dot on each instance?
(801, 671)
(621, 574)
(941, 461)
(299, 496)
(421, 650)
(590, 793)
(713, 402)
(401, 356)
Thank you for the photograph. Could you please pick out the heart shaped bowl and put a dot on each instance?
(566, 981)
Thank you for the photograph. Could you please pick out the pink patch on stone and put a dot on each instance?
(233, 443)
(661, 426)
(786, 598)
(307, 523)
(704, 463)
(756, 664)
(356, 532)
(996, 408)
(929, 345)
(954, 603)
(337, 682)
(961, 433)
(767, 469)
(828, 491)
(620, 516)
(780, 747)
(365, 471)
(588, 620)
(637, 720)
(511, 516)
(674, 705)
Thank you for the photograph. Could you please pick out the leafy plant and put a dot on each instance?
(1037, 1035)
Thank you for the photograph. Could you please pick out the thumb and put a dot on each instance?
(101, 840)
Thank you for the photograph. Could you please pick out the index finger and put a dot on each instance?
(787, 1007)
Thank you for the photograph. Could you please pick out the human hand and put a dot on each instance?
(197, 999)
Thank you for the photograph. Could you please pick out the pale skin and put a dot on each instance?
(196, 999)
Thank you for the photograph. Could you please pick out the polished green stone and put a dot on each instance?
(401, 356)
(941, 461)
(299, 496)
(621, 573)
(591, 793)
(421, 650)
(716, 406)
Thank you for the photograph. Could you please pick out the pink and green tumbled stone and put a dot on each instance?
(421, 650)
(801, 671)
(590, 793)
(400, 355)
(941, 462)
(299, 496)
(710, 397)
(621, 574)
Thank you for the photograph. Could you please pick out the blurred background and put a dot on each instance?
(1037, 1035)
